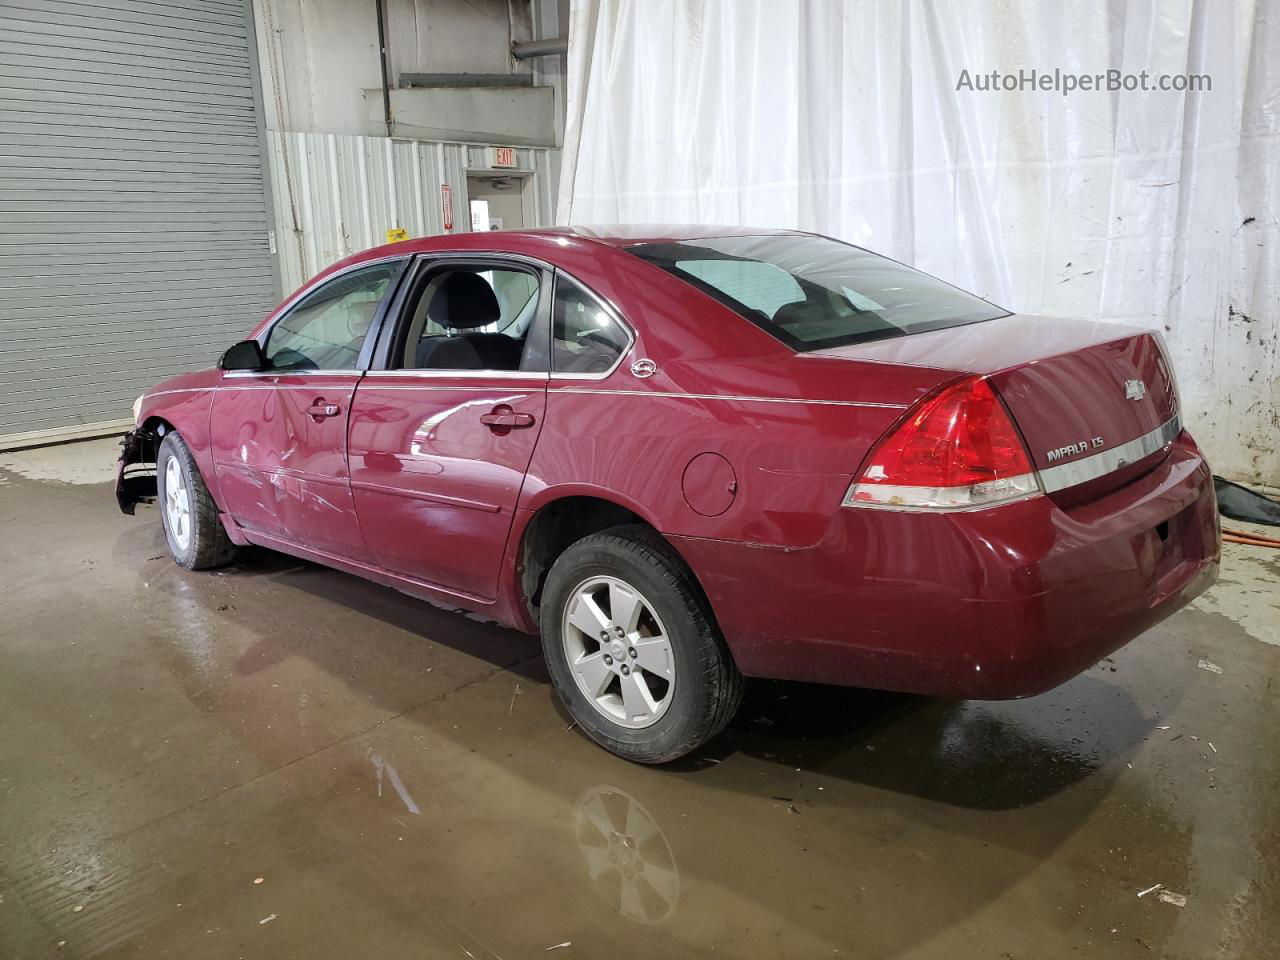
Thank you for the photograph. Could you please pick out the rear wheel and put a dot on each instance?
(632, 649)
(192, 528)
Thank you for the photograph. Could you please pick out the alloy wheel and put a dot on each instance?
(619, 652)
(177, 503)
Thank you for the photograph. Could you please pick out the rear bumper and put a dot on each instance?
(993, 604)
(135, 470)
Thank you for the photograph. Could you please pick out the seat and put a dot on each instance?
(465, 301)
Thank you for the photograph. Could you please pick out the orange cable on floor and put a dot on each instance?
(1249, 539)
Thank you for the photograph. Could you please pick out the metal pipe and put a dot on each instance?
(551, 47)
(382, 56)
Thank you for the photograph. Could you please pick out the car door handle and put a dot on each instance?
(503, 417)
(320, 409)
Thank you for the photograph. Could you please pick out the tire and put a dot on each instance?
(693, 684)
(196, 537)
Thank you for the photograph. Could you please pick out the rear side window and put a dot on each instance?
(814, 292)
(326, 329)
(585, 336)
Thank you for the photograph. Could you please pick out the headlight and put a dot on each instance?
(137, 408)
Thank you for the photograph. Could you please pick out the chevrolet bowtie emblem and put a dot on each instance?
(1134, 389)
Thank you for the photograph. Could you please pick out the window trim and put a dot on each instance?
(395, 328)
(366, 349)
(425, 262)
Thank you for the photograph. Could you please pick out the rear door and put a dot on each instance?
(279, 436)
(441, 436)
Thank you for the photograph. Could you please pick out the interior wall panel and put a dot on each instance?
(337, 194)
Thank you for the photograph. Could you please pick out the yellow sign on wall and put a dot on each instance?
(397, 234)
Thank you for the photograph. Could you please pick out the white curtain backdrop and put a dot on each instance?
(1157, 209)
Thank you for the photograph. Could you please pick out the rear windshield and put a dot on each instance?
(812, 292)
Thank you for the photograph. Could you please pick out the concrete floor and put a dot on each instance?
(283, 761)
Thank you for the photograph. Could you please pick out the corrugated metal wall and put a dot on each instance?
(338, 194)
(133, 220)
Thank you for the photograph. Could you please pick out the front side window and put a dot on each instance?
(327, 328)
(813, 292)
(474, 318)
(585, 337)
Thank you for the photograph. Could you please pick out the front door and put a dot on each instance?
(439, 443)
(279, 435)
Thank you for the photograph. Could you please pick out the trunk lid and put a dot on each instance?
(1077, 390)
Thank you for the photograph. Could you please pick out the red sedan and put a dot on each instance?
(689, 455)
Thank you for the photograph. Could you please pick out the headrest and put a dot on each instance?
(464, 301)
(792, 313)
(360, 316)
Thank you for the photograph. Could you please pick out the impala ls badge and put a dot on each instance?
(1075, 449)
(1134, 389)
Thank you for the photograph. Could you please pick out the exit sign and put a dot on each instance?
(503, 157)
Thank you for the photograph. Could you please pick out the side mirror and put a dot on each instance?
(245, 355)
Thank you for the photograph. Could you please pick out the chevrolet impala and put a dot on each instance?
(689, 455)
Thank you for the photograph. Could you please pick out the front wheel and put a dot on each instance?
(192, 528)
(632, 649)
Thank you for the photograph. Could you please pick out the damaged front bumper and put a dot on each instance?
(136, 470)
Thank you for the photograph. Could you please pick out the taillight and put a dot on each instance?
(956, 450)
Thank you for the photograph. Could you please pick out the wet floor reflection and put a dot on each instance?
(628, 861)
(404, 783)
(816, 821)
(971, 754)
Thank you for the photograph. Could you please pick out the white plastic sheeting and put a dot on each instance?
(1157, 209)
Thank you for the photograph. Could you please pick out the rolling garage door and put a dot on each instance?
(133, 219)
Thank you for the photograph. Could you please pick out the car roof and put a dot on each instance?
(538, 242)
(617, 236)
(628, 234)
(548, 243)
